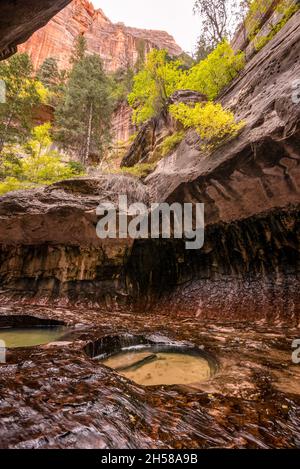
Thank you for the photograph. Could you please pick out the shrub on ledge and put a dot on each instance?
(212, 123)
(170, 143)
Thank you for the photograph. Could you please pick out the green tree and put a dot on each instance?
(154, 84)
(219, 19)
(203, 49)
(121, 84)
(23, 94)
(48, 73)
(211, 75)
(53, 79)
(141, 50)
(218, 22)
(161, 77)
(79, 49)
(84, 114)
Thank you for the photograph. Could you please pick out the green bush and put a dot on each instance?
(170, 143)
(260, 42)
(212, 74)
(38, 165)
(161, 77)
(256, 13)
(153, 85)
(12, 184)
(140, 171)
(212, 123)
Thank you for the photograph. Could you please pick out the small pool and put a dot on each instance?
(161, 365)
(15, 337)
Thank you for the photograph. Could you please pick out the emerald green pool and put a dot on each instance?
(30, 337)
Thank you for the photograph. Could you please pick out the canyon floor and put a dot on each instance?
(58, 396)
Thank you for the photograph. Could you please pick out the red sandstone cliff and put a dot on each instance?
(117, 44)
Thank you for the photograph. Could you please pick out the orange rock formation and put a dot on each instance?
(117, 44)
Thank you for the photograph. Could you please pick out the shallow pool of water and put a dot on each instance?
(151, 368)
(30, 337)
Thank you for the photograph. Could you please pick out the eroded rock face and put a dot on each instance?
(250, 187)
(122, 126)
(50, 248)
(146, 146)
(258, 170)
(19, 19)
(117, 44)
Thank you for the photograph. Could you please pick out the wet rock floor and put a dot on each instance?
(56, 396)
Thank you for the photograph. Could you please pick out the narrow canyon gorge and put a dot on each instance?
(236, 299)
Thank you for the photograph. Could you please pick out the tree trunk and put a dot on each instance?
(89, 133)
(7, 124)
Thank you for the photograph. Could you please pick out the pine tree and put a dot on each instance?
(83, 117)
(79, 50)
(48, 73)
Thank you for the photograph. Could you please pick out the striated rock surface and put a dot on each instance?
(19, 19)
(122, 126)
(58, 396)
(117, 44)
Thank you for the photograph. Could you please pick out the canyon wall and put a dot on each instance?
(250, 187)
(122, 126)
(117, 44)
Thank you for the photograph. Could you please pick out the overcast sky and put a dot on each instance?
(174, 16)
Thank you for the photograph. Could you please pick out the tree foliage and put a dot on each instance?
(83, 116)
(121, 84)
(161, 77)
(23, 94)
(154, 84)
(170, 143)
(48, 73)
(219, 19)
(34, 164)
(212, 123)
(52, 79)
(211, 75)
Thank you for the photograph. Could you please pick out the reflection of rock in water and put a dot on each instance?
(129, 361)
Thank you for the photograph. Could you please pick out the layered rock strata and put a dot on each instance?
(118, 45)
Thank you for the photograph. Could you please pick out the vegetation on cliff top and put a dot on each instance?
(212, 123)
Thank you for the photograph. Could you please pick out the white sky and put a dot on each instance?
(174, 16)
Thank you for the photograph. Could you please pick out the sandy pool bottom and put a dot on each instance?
(148, 369)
